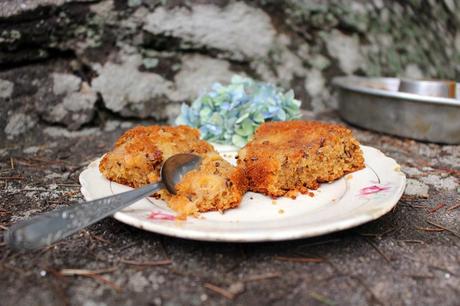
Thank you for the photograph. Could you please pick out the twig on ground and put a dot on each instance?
(299, 259)
(318, 243)
(224, 292)
(95, 274)
(442, 269)
(49, 247)
(12, 163)
(448, 170)
(254, 278)
(85, 272)
(444, 228)
(95, 237)
(38, 162)
(106, 281)
(430, 229)
(11, 178)
(412, 241)
(435, 167)
(387, 259)
(406, 203)
(453, 207)
(164, 262)
(417, 206)
(380, 235)
(127, 246)
(438, 207)
(99, 238)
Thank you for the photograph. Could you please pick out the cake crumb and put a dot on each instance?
(281, 211)
(291, 194)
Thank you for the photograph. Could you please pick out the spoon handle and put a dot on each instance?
(47, 228)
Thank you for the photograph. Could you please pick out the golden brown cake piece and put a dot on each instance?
(138, 155)
(215, 185)
(286, 157)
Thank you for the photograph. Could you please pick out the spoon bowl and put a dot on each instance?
(175, 167)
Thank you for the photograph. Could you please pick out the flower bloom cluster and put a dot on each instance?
(230, 114)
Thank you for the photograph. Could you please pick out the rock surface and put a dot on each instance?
(6, 89)
(18, 124)
(75, 74)
(128, 91)
(68, 101)
(144, 58)
(416, 188)
(401, 258)
(240, 30)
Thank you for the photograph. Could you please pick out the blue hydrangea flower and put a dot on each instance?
(230, 114)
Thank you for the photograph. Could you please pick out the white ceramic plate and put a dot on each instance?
(357, 198)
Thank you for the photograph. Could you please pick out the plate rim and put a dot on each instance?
(255, 235)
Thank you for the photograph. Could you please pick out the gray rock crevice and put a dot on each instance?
(144, 58)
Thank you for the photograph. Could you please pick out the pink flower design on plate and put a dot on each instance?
(156, 215)
(373, 189)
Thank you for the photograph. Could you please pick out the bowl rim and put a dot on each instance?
(350, 83)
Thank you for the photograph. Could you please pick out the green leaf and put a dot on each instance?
(239, 141)
(205, 113)
(245, 128)
(258, 117)
(240, 119)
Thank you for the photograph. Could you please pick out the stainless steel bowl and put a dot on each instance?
(445, 89)
(377, 104)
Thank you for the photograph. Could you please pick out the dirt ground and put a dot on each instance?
(411, 256)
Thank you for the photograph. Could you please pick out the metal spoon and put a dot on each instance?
(47, 228)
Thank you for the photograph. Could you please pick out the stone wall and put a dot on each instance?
(76, 63)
